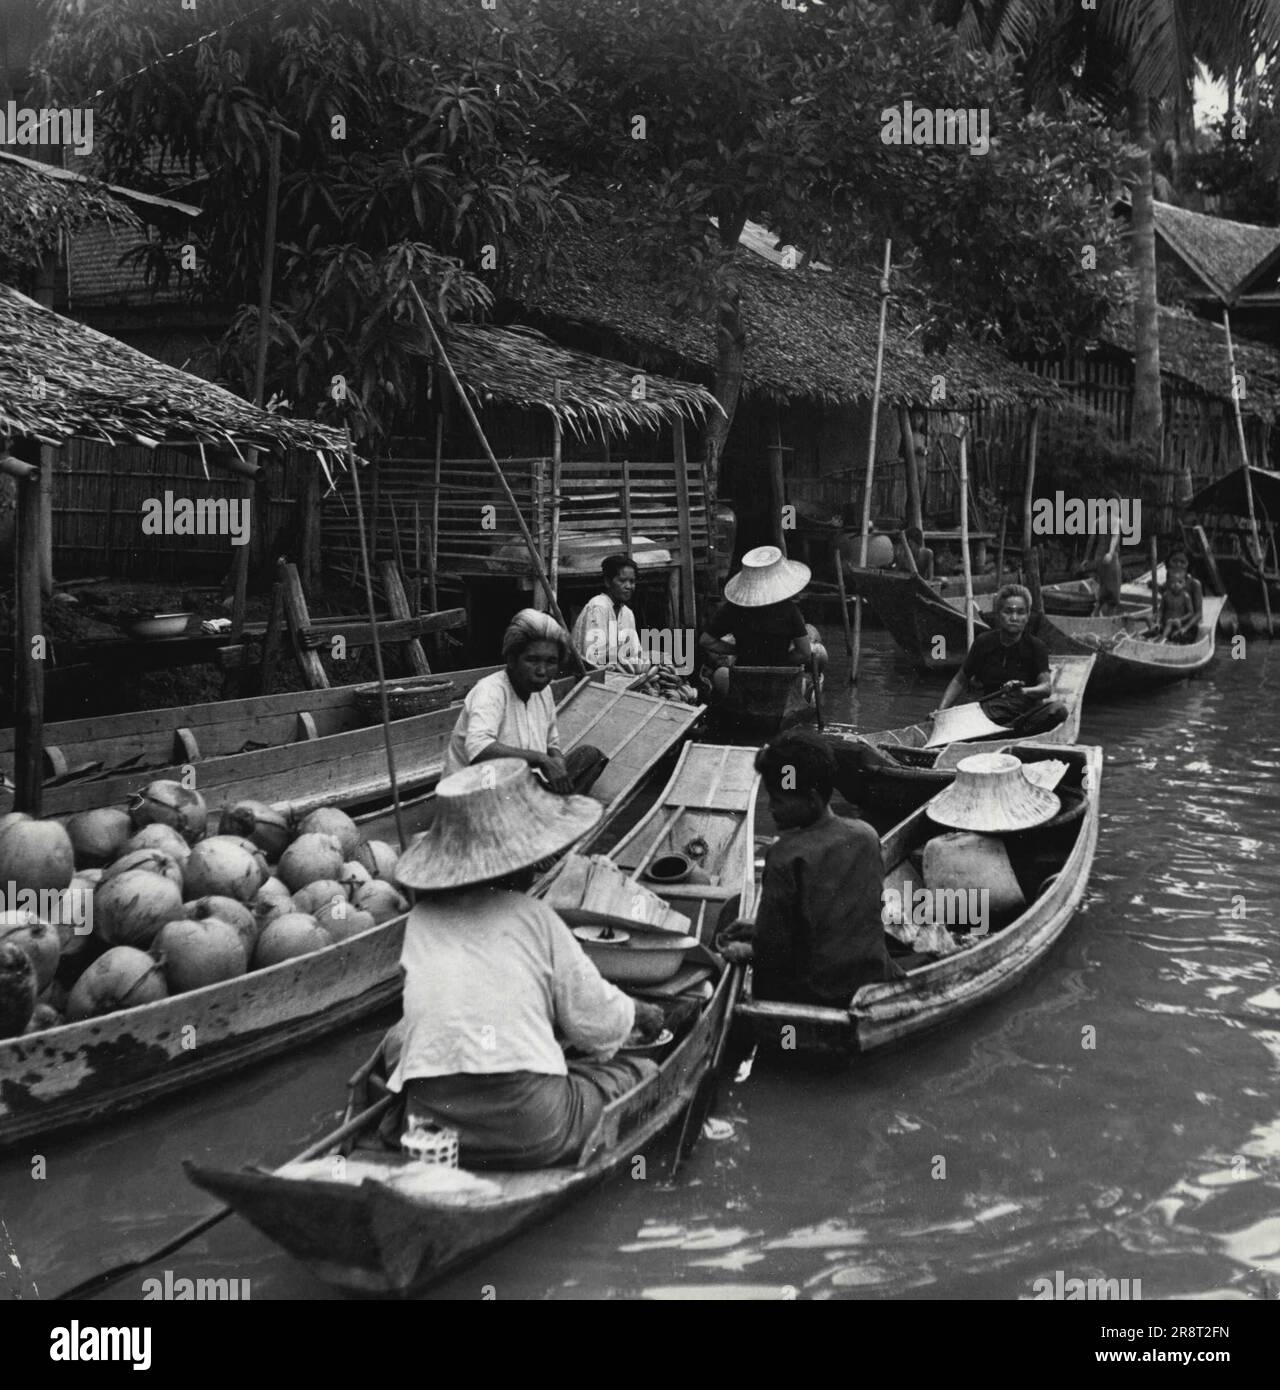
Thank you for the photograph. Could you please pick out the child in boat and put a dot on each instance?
(493, 977)
(1181, 603)
(818, 934)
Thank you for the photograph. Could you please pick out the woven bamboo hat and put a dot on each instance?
(493, 819)
(991, 794)
(961, 722)
(766, 577)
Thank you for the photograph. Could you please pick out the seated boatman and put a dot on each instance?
(818, 934)
(1007, 670)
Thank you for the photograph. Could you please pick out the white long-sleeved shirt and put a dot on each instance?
(490, 977)
(605, 636)
(494, 713)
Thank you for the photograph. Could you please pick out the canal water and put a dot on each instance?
(1117, 1116)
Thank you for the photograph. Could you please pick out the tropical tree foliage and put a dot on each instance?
(406, 153)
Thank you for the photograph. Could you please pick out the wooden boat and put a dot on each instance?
(1220, 547)
(1052, 864)
(311, 745)
(761, 700)
(932, 631)
(81, 1072)
(907, 773)
(385, 1226)
(1075, 598)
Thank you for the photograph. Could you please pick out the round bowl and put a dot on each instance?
(624, 960)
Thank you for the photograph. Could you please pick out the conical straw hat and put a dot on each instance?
(492, 819)
(766, 577)
(961, 722)
(991, 794)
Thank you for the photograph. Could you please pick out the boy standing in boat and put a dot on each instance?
(818, 935)
(1007, 670)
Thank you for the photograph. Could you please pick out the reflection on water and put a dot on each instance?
(967, 1165)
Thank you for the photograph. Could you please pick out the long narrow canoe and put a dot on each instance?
(1075, 598)
(314, 747)
(82, 1072)
(1052, 864)
(902, 774)
(379, 1223)
(931, 630)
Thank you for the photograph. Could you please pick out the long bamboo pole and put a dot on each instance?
(1029, 492)
(871, 460)
(1248, 477)
(965, 561)
(557, 447)
(538, 568)
(377, 645)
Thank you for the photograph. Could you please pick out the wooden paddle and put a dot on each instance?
(704, 1097)
(97, 1282)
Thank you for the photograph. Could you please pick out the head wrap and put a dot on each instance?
(529, 625)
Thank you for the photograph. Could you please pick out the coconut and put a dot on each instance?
(159, 836)
(318, 894)
(170, 803)
(354, 875)
(98, 836)
(341, 920)
(45, 1016)
(36, 854)
(290, 935)
(198, 953)
(328, 820)
(55, 997)
(121, 978)
(380, 899)
(17, 989)
(74, 915)
(268, 828)
(227, 910)
(153, 861)
(38, 939)
(12, 818)
(223, 867)
(378, 857)
(130, 909)
(308, 858)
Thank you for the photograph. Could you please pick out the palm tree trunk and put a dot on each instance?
(1147, 426)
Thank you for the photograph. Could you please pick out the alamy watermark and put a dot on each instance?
(914, 906)
(174, 1290)
(659, 646)
(204, 516)
(925, 125)
(1092, 516)
(1063, 1289)
(55, 907)
(50, 125)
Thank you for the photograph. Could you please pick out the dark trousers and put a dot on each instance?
(584, 765)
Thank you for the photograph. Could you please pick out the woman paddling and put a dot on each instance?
(512, 713)
(492, 977)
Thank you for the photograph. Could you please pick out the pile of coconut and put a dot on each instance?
(174, 905)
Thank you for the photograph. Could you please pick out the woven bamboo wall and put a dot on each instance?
(98, 496)
(476, 540)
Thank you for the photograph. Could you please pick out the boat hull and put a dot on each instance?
(934, 995)
(374, 1240)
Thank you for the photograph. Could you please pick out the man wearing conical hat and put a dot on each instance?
(760, 623)
(512, 713)
(1007, 671)
(493, 978)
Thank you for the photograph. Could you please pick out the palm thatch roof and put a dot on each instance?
(810, 333)
(39, 208)
(1194, 351)
(60, 379)
(1220, 252)
(520, 366)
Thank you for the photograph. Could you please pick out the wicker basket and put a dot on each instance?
(430, 1143)
(419, 695)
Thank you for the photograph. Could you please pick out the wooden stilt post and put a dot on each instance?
(28, 640)
(684, 523)
(871, 461)
(1259, 553)
(964, 533)
(557, 464)
(915, 512)
(1029, 492)
(1004, 520)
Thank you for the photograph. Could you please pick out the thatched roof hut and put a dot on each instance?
(811, 333)
(521, 367)
(60, 379)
